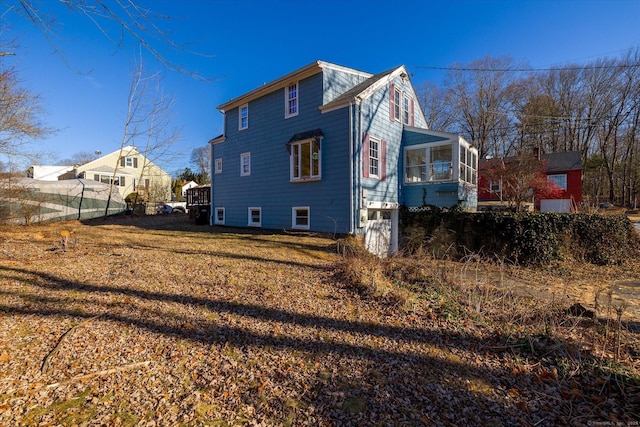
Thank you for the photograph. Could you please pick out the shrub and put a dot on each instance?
(526, 238)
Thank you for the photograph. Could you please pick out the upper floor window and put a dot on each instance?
(218, 165)
(559, 179)
(397, 94)
(374, 157)
(291, 100)
(245, 164)
(243, 117)
(406, 110)
(305, 160)
(129, 162)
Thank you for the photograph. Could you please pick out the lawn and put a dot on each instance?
(159, 322)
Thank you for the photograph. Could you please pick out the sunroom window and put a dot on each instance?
(428, 164)
(305, 160)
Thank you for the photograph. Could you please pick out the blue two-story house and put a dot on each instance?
(332, 149)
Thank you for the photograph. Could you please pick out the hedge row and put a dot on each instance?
(525, 238)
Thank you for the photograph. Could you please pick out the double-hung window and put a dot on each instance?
(374, 157)
(218, 165)
(291, 100)
(245, 164)
(300, 217)
(305, 160)
(243, 117)
(255, 217)
(406, 110)
(397, 95)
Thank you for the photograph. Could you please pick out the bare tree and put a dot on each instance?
(200, 159)
(20, 116)
(80, 158)
(478, 96)
(436, 109)
(148, 120)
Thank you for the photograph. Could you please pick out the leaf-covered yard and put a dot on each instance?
(159, 322)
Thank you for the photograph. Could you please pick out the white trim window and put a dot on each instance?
(429, 163)
(468, 165)
(374, 157)
(291, 100)
(406, 109)
(219, 216)
(397, 96)
(559, 179)
(300, 217)
(305, 162)
(243, 117)
(245, 164)
(255, 217)
(218, 165)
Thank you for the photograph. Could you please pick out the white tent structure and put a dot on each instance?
(26, 200)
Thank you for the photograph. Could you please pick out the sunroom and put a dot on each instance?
(439, 169)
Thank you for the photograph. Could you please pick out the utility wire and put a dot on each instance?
(576, 67)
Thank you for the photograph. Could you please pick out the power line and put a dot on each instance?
(576, 67)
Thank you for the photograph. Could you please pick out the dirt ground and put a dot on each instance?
(159, 322)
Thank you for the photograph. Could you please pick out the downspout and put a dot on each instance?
(352, 228)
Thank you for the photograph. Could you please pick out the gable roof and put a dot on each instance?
(363, 90)
(563, 161)
(299, 74)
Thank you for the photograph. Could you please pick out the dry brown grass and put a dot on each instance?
(159, 322)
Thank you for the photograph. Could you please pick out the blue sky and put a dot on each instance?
(246, 43)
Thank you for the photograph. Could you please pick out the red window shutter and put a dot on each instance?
(122, 161)
(383, 160)
(411, 122)
(392, 101)
(365, 155)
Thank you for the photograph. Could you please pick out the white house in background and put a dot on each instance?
(128, 169)
(186, 186)
(47, 173)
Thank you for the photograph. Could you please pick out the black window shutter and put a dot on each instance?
(135, 162)
(122, 184)
(122, 161)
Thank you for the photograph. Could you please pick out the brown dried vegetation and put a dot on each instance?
(157, 322)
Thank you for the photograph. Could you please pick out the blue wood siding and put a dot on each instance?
(269, 186)
(337, 82)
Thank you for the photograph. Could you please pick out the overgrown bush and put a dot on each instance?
(525, 238)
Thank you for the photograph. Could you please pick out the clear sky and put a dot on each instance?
(250, 42)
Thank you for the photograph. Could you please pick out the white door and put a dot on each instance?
(381, 236)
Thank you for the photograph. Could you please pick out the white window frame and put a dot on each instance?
(295, 217)
(397, 98)
(243, 119)
(495, 186)
(427, 166)
(250, 221)
(375, 145)
(216, 219)
(468, 168)
(295, 160)
(245, 164)
(218, 165)
(555, 179)
(406, 109)
(290, 101)
(128, 162)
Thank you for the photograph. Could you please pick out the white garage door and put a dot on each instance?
(555, 205)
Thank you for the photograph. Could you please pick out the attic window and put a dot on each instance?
(291, 100)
